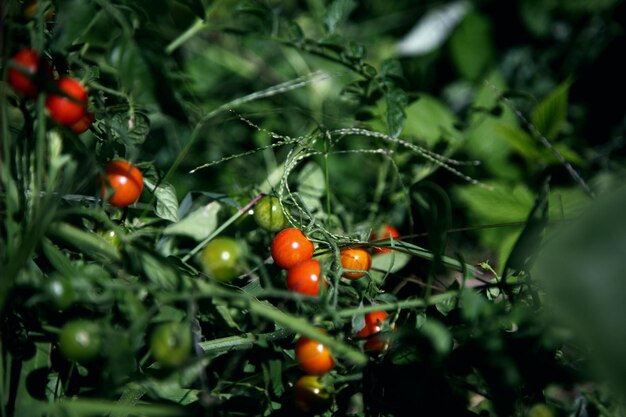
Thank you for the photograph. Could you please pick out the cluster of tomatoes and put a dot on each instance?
(66, 103)
(66, 98)
(293, 251)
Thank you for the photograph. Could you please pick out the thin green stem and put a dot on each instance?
(412, 303)
(197, 26)
(327, 179)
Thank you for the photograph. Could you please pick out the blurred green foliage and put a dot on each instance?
(490, 140)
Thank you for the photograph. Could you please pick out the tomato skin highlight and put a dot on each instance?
(310, 395)
(61, 108)
(170, 343)
(305, 277)
(219, 259)
(290, 247)
(269, 215)
(28, 61)
(313, 357)
(357, 259)
(126, 182)
(386, 231)
(80, 341)
(59, 292)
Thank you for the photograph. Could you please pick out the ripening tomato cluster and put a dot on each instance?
(66, 98)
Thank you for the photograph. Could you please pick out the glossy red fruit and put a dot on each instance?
(305, 277)
(126, 182)
(69, 105)
(23, 69)
(373, 325)
(313, 357)
(385, 232)
(290, 247)
(83, 124)
(355, 259)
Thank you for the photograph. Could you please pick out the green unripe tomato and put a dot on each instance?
(80, 340)
(59, 292)
(219, 259)
(171, 343)
(112, 237)
(269, 215)
(311, 395)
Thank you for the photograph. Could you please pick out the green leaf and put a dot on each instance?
(471, 46)
(550, 114)
(198, 224)
(523, 254)
(337, 12)
(166, 201)
(396, 100)
(58, 259)
(88, 243)
(134, 73)
(430, 120)
(163, 275)
(582, 269)
(439, 336)
(70, 22)
(499, 203)
(131, 128)
(311, 185)
(387, 263)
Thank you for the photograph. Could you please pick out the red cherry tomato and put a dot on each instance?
(126, 182)
(290, 247)
(385, 232)
(313, 357)
(20, 75)
(70, 106)
(83, 124)
(373, 325)
(305, 277)
(357, 259)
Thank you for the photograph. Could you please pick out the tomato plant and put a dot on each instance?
(305, 277)
(69, 104)
(170, 343)
(290, 247)
(386, 231)
(80, 340)
(126, 182)
(269, 215)
(22, 72)
(219, 258)
(313, 357)
(311, 395)
(356, 259)
(59, 292)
